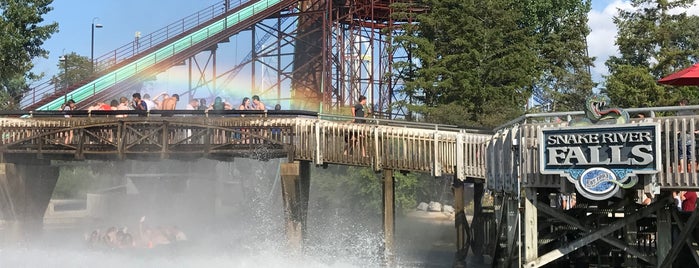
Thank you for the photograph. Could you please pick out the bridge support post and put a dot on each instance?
(531, 229)
(296, 181)
(463, 237)
(478, 222)
(25, 190)
(631, 229)
(664, 235)
(389, 216)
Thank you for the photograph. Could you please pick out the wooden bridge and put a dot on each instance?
(29, 140)
(523, 226)
(300, 136)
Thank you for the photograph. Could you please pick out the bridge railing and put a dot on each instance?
(513, 153)
(380, 144)
(436, 149)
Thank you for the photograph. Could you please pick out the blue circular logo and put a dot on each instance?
(597, 183)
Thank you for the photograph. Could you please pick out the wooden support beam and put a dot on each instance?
(596, 235)
(690, 240)
(531, 231)
(513, 237)
(631, 229)
(501, 215)
(559, 215)
(389, 217)
(165, 141)
(677, 244)
(460, 223)
(295, 186)
(477, 224)
(663, 237)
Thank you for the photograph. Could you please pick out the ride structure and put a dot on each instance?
(318, 55)
(576, 195)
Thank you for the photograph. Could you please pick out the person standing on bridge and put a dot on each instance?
(138, 103)
(353, 139)
(245, 105)
(257, 104)
(171, 102)
(192, 105)
(123, 106)
(149, 103)
(358, 110)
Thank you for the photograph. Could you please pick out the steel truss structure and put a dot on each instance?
(321, 55)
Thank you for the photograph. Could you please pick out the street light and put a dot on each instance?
(63, 59)
(92, 42)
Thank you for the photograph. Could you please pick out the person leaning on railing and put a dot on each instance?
(684, 149)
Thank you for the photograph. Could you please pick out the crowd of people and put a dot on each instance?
(165, 101)
(147, 237)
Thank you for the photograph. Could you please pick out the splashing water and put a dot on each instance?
(251, 236)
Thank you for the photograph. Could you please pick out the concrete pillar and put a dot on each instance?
(461, 224)
(295, 191)
(389, 224)
(25, 190)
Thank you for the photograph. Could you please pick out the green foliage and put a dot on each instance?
(560, 28)
(359, 189)
(476, 63)
(22, 38)
(634, 86)
(653, 41)
(73, 69)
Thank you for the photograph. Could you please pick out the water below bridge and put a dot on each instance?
(247, 230)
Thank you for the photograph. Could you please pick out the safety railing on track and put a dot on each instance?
(142, 49)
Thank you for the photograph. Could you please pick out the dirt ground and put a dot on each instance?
(427, 239)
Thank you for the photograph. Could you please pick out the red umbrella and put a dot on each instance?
(686, 77)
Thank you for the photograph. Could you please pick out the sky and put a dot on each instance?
(121, 19)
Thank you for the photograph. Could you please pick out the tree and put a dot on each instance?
(560, 28)
(22, 38)
(359, 189)
(477, 63)
(653, 41)
(73, 69)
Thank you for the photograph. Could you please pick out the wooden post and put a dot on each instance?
(512, 228)
(388, 216)
(295, 187)
(460, 223)
(531, 247)
(664, 235)
(631, 229)
(478, 221)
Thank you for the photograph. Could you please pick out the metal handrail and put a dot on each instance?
(197, 39)
(139, 45)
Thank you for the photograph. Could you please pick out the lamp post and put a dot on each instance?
(92, 42)
(63, 59)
